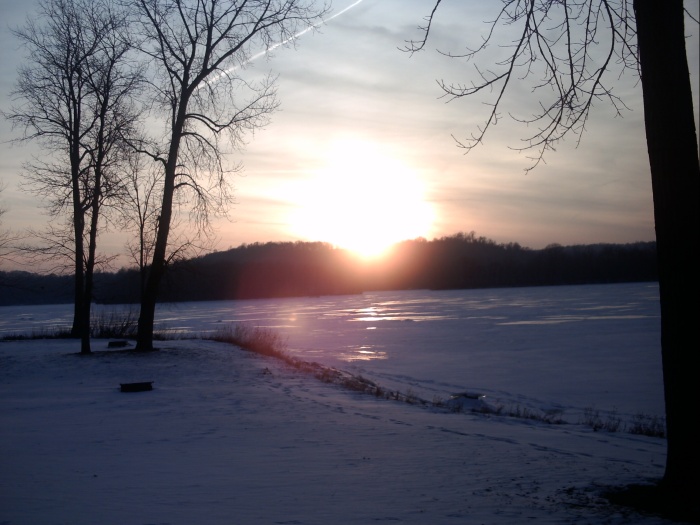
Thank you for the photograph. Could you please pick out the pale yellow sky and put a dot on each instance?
(362, 146)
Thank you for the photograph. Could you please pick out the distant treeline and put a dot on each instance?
(312, 268)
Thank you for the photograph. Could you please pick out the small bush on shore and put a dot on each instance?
(43, 333)
(260, 340)
(592, 418)
(646, 425)
(642, 424)
(114, 325)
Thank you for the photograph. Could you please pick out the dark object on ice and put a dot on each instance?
(117, 344)
(137, 387)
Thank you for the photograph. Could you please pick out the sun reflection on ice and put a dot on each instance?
(363, 353)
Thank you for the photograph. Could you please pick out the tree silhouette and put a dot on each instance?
(196, 49)
(570, 47)
(74, 97)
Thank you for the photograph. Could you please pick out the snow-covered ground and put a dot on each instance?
(228, 437)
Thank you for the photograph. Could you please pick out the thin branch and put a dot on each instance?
(555, 38)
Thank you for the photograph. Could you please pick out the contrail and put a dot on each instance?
(303, 32)
(294, 37)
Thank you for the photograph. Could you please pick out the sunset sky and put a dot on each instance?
(361, 152)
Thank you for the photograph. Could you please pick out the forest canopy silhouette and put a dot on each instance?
(289, 269)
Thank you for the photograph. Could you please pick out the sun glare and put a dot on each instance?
(362, 200)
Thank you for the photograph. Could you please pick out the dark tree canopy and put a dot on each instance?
(269, 270)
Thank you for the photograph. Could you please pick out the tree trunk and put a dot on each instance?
(90, 263)
(78, 285)
(81, 313)
(144, 337)
(149, 297)
(79, 327)
(675, 174)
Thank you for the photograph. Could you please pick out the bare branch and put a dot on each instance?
(413, 46)
(197, 52)
(554, 41)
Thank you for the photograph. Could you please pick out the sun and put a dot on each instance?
(362, 200)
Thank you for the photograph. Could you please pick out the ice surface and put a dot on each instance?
(569, 347)
(229, 437)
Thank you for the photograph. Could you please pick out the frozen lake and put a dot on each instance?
(567, 347)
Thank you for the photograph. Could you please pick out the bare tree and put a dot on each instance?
(113, 84)
(197, 49)
(74, 98)
(573, 46)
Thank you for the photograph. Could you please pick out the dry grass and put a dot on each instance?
(266, 341)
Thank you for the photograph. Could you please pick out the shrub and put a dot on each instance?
(593, 419)
(41, 333)
(646, 425)
(256, 339)
(114, 325)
